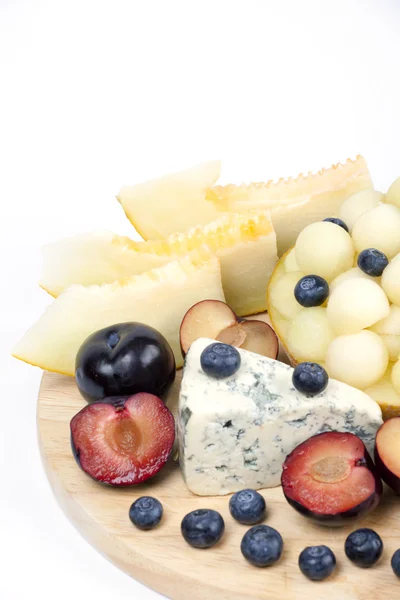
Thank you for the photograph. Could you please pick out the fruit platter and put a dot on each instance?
(219, 413)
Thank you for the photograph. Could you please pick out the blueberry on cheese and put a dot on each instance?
(236, 432)
(310, 378)
(220, 360)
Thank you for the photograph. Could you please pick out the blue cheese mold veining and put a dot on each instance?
(236, 432)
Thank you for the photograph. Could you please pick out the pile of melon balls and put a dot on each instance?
(355, 333)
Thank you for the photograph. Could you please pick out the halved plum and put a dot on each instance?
(216, 320)
(331, 479)
(123, 441)
(205, 319)
(387, 453)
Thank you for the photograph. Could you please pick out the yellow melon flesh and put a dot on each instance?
(171, 203)
(385, 395)
(296, 202)
(159, 298)
(245, 245)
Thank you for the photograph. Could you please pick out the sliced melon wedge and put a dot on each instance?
(245, 245)
(171, 203)
(159, 298)
(299, 201)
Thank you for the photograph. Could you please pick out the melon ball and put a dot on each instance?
(354, 273)
(282, 296)
(324, 249)
(359, 203)
(378, 228)
(290, 261)
(391, 280)
(310, 334)
(393, 193)
(389, 330)
(396, 376)
(359, 359)
(385, 395)
(356, 304)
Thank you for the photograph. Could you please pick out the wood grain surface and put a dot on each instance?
(162, 560)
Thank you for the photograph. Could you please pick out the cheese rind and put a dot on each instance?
(236, 432)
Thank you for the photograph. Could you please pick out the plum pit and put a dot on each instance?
(331, 469)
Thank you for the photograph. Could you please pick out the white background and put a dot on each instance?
(96, 94)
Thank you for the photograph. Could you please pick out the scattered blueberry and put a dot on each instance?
(317, 562)
(311, 290)
(310, 378)
(146, 512)
(372, 261)
(363, 547)
(337, 221)
(262, 546)
(247, 507)
(202, 528)
(396, 563)
(220, 360)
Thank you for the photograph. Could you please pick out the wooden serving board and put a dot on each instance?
(161, 558)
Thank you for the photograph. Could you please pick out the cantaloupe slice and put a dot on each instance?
(159, 298)
(171, 203)
(296, 202)
(245, 245)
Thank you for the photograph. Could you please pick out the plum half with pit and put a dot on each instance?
(123, 441)
(124, 359)
(331, 479)
(387, 453)
(216, 320)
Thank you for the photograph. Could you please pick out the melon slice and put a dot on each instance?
(296, 202)
(245, 245)
(159, 298)
(171, 203)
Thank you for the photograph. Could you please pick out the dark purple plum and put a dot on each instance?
(122, 360)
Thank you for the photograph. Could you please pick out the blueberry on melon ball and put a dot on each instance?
(311, 290)
(122, 360)
(363, 547)
(331, 479)
(317, 562)
(310, 378)
(337, 221)
(220, 360)
(372, 262)
(123, 441)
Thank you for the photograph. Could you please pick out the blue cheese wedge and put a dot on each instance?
(236, 432)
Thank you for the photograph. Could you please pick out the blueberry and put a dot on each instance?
(262, 546)
(337, 221)
(396, 563)
(220, 360)
(317, 562)
(372, 261)
(146, 512)
(310, 378)
(311, 290)
(363, 547)
(247, 507)
(202, 528)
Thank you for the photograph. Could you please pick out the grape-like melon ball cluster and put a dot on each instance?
(355, 333)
